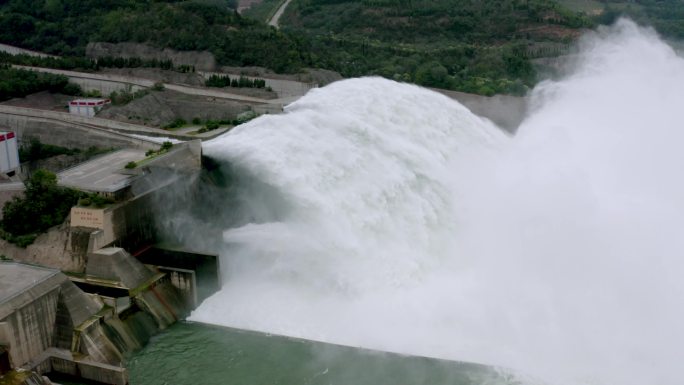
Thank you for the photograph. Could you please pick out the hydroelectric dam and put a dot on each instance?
(379, 232)
(385, 216)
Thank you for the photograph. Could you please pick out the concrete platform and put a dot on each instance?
(103, 173)
(17, 278)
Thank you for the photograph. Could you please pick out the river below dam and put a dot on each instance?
(194, 353)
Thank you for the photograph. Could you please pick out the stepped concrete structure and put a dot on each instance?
(83, 321)
(48, 324)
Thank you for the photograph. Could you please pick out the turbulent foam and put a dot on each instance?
(387, 216)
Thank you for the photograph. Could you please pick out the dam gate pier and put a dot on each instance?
(123, 289)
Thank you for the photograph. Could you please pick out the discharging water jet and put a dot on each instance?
(384, 215)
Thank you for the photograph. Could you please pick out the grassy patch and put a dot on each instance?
(590, 7)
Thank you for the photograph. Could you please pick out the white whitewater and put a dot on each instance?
(390, 217)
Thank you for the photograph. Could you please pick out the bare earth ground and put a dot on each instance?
(43, 101)
(190, 79)
(244, 4)
(161, 107)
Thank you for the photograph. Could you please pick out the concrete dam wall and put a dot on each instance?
(48, 324)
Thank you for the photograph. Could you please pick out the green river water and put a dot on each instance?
(192, 353)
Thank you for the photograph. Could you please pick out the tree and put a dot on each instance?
(44, 205)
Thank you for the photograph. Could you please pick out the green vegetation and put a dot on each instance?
(85, 64)
(475, 46)
(264, 10)
(131, 165)
(165, 147)
(667, 16)
(17, 83)
(468, 45)
(64, 27)
(483, 47)
(44, 205)
(241, 82)
(177, 123)
(211, 125)
(36, 150)
(95, 200)
(127, 95)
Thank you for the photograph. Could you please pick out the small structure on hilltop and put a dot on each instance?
(87, 107)
(9, 153)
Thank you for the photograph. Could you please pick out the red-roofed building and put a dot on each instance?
(87, 107)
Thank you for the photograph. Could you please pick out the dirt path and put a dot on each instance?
(246, 4)
(276, 17)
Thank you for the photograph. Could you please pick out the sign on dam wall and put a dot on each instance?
(86, 217)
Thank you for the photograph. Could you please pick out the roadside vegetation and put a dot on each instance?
(221, 81)
(34, 149)
(45, 203)
(95, 200)
(164, 148)
(86, 64)
(17, 83)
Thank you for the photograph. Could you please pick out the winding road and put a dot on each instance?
(276, 17)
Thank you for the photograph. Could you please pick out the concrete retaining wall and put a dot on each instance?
(31, 327)
(284, 88)
(64, 129)
(53, 249)
(106, 81)
(505, 111)
(201, 60)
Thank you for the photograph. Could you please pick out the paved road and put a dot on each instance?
(101, 174)
(15, 278)
(106, 125)
(12, 186)
(16, 51)
(276, 17)
(129, 80)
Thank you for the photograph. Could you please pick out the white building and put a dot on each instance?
(9, 152)
(87, 107)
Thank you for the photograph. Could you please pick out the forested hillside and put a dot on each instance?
(475, 46)
(666, 16)
(64, 27)
(470, 45)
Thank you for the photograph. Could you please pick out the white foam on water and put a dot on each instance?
(395, 219)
